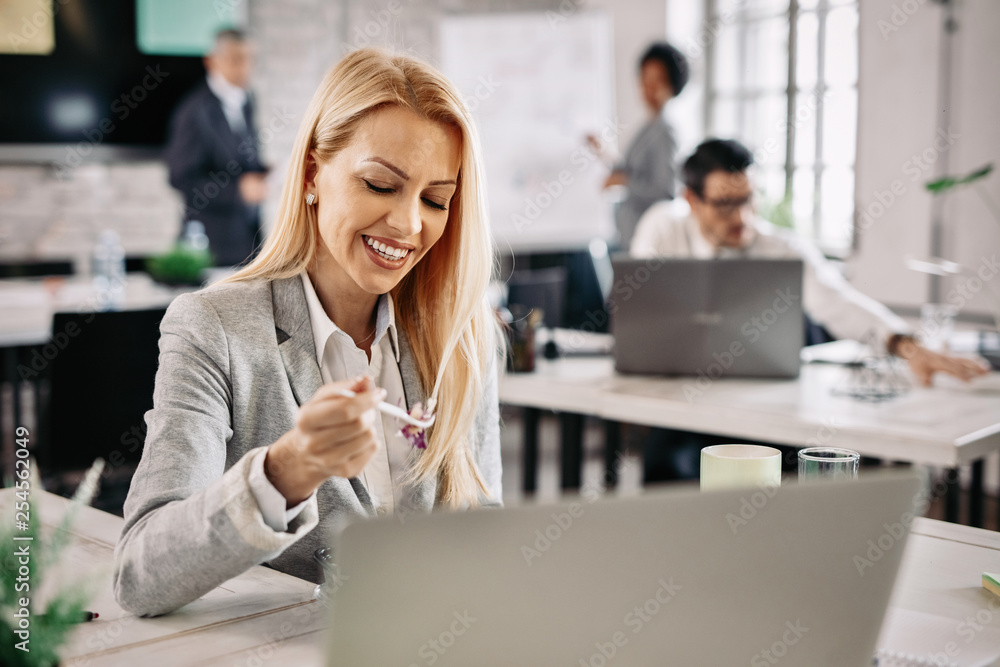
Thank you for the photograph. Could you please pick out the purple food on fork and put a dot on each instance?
(415, 435)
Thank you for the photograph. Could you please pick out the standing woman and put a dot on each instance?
(372, 281)
(649, 169)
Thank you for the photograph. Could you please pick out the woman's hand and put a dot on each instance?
(333, 436)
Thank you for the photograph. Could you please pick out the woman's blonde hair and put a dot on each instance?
(440, 304)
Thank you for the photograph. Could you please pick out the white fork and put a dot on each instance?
(395, 411)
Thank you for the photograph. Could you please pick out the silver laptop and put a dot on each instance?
(712, 318)
(800, 574)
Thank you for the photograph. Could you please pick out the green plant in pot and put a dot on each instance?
(34, 625)
(182, 265)
(185, 263)
(943, 267)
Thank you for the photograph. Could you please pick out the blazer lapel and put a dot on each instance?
(221, 129)
(412, 387)
(298, 354)
(423, 495)
(295, 341)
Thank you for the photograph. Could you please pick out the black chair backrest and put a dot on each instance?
(540, 288)
(102, 385)
(30, 269)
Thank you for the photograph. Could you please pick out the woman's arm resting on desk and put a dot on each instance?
(190, 524)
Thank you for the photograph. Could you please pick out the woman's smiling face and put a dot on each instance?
(383, 201)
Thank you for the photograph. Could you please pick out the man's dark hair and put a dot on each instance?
(715, 155)
(673, 60)
(230, 35)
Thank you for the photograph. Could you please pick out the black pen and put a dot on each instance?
(84, 616)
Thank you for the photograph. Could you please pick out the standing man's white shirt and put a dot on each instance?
(827, 297)
(232, 97)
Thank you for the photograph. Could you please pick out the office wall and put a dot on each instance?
(53, 212)
(298, 42)
(898, 120)
(637, 23)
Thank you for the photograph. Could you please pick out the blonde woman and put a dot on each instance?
(372, 281)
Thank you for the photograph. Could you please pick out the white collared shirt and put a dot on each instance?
(233, 99)
(340, 359)
(669, 230)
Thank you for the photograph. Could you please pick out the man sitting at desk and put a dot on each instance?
(721, 224)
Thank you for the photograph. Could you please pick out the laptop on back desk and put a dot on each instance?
(719, 318)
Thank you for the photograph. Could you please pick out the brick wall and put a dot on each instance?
(49, 214)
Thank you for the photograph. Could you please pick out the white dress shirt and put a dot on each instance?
(669, 230)
(339, 359)
(233, 99)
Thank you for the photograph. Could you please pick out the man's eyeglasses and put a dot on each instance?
(727, 207)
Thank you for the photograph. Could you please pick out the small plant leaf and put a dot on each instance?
(949, 182)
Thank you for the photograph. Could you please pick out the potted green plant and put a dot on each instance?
(943, 267)
(181, 265)
(33, 629)
(948, 182)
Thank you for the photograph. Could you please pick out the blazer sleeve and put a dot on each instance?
(190, 524)
(488, 440)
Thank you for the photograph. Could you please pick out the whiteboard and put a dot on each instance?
(537, 83)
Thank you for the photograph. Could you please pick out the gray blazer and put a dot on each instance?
(236, 362)
(652, 175)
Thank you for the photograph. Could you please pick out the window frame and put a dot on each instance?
(742, 16)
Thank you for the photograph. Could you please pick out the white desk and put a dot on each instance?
(950, 425)
(270, 617)
(28, 304)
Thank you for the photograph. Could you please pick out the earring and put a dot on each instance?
(310, 199)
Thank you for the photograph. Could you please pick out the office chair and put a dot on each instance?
(101, 387)
(540, 288)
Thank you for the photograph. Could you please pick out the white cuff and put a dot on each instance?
(269, 499)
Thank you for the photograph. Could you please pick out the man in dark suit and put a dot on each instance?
(212, 153)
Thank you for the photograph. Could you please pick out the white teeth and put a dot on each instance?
(387, 251)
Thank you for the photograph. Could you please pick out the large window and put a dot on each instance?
(782, 78)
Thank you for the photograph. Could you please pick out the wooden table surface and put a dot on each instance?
(259, 608)
(264, 617)
(949, 425)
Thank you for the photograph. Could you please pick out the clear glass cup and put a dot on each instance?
(828, 463)
(937, 324)
(324, 591)
(739, 466)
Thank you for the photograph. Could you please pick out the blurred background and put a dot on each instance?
(850, 107)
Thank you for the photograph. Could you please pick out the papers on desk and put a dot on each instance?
(984, 384)
(575, 342)
(838, 352)
(27, 314)
(915, 638)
